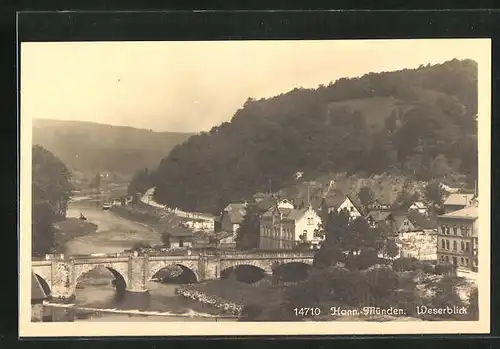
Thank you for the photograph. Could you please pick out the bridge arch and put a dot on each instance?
(44, 284)
(292, 271)
(118, 272)
(157, 266)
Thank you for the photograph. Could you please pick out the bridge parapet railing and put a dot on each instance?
(97, 260)
(173, 257)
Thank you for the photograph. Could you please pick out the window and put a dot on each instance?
(447, 258)
(454, 245)
(447, 230)
(467, 247)
(447, 244)
(455, 230)
(467, 261)
(462, 246)
(443, 229)
(455, 261)
(442, 258)
(461, 260)
(352, 209)
(310, 221)
(442, 244)
(466, 231)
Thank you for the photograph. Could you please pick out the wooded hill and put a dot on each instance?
(93, 147)
(419, 123)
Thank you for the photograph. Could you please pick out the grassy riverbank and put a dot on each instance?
(70, 229)
(156, 219)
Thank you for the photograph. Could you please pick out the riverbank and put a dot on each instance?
(69, 229)
(151, 217)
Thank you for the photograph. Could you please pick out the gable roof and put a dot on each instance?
(265, 204)
(420, 221)
(37, 291)
(398, 220)
(457, 199)
(236, 212)
(465, 213)
(418, 204)
(379, 215)
(288, 213)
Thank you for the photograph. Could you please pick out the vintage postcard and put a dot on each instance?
(328, 187)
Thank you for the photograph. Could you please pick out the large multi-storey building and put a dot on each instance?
(457, 238)
(283, 226)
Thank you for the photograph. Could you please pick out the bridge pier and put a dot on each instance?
(138, 274)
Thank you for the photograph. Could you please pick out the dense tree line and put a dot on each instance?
(141, 181)
(433, 134)
(51, 190)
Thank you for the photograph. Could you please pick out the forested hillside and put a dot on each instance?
(418, 123)
(50, 194)
(91, 147)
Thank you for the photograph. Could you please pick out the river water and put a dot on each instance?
(95, 289)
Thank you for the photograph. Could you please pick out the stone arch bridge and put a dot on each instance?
(134, 272)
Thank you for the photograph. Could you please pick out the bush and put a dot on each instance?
(367, 258)
(405, 264)
(445, 269)
(251, 312)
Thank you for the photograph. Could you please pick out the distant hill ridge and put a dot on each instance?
(88, 146)
(416, 123)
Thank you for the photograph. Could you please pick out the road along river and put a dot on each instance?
(96, 290)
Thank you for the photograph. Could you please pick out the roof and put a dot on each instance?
(37, 291)
(418, 204)
(288, 213)
(398, 220)
(265, 204)
(236, 212)
(222, 235)
(180, 231)
(420, 221)
(335, 200)
(378, 215)
(459, 199)
(465, 213)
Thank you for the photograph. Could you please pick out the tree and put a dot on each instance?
(435, 192)
(96, 183)
(248, 233)
(365, 195)
(166, 239)
(51, 190)
(390, 122)
(141, 181)
(391, 249)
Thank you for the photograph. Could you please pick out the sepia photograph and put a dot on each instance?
(326, 186)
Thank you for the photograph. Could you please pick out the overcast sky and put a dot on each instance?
(193, 86)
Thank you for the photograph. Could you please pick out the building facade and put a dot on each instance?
(282, 227)
(457, 239)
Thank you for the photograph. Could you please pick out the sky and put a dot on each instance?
(193, 86)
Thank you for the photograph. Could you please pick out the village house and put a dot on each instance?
(283, 226)
(232, 216)
(225, 240)
(378, 205)
(419, 244)
(181, 237)
(419, 207)
(377, 217)
(344, 202)
(457, 241)
(458, 201)
(38, 295)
